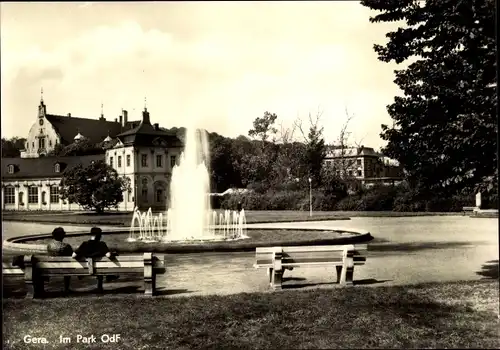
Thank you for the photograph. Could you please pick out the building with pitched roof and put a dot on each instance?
(142, 152)
(364, 164)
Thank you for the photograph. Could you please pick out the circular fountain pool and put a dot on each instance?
(257, 237)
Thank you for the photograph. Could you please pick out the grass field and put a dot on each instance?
(448, 315)
(125, 218)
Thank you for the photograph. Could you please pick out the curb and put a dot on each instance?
(357, 236)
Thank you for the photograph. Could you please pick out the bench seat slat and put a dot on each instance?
(325, 248)
(119, 258)
(269, 265)
(12, 271)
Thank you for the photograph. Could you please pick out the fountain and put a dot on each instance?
(189, 217)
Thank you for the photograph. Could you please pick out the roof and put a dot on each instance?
(352, 152)
(95, 130)
(43, 167)
(146, 134)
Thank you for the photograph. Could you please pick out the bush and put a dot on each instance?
(349, 203)
(378, 198)
(490, 201)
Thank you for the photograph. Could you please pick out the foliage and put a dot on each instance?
(11, 148)
(77, 148)
(315, 149)
(263, 127)
(95, 187)
(332, 184)
(445, 131)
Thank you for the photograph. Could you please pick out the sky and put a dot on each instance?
(215, 65)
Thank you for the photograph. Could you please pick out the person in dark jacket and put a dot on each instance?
(94, 248)
(59, 248)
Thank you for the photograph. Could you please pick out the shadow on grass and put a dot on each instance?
(365, 282)
(14, 287)
(413, 247)
(489, 270)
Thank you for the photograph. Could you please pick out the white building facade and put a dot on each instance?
(143, 153)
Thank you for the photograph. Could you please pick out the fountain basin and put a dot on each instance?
(257, 237)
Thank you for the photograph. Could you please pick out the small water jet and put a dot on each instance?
(189, 217)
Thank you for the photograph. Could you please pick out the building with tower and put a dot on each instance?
(143, 152)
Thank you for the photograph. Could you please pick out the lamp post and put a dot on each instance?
(310, 198)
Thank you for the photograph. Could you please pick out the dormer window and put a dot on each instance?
(57, 168)
(10, 169)
(40, 121)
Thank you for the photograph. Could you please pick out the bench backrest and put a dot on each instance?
(309, 255)
(62, 265)
(8, 269)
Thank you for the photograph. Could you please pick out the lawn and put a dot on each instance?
(125, 218)
(448, 315)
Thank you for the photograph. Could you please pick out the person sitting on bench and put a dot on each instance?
(58, 248)
(94, 248)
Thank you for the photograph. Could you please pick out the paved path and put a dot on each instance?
(406, 251)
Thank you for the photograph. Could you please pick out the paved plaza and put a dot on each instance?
(405, 251)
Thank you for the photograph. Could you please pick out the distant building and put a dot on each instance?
(364, 164)
(140, 151)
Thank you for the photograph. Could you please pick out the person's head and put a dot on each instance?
(58, 234)
(96, 232)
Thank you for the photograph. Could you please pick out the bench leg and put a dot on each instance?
(349, 274)
(67, 280)
(150, 286)
(35, 288)
(100, 288)
(277, 279)
(339, 273)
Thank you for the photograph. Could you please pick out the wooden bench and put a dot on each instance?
(278, 259)
(468, 209)
(11, 271)
(38, 267)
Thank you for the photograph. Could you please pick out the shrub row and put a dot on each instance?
(381, 198)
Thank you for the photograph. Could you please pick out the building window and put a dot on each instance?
(11, 169)
(43, 197)
(129, 195)
(33, 144)
(144, 160)
(159, 195)
(128, 159)
(40, 121)
(159, 159)
(32, 194)
(358, 162)
(172, 161)
(50, 143)
(9, 196)
(57, 168)
(111, 161)
(145, 195)
(350, 172)
(41, 143)
(54, 194)
(21, 195)
(359, 172)
(119, 161)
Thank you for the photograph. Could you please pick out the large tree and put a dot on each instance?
(95, 187)
(11, 148)
(315, 149)
(445, 131)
